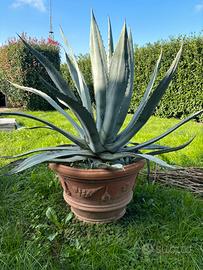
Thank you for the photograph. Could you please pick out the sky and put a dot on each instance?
(149, 20)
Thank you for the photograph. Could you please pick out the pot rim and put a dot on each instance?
(96, 173)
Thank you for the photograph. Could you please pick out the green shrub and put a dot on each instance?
(185, 93)
(18, 65)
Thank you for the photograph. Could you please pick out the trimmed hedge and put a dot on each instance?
(18, 65)
(185, 93)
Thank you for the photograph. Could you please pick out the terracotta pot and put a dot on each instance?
(97, 195)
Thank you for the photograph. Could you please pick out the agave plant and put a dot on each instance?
(100, 139)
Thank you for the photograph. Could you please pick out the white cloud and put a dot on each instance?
(38, 4)
(199, 7)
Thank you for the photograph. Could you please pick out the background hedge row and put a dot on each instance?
(185, 93)
(18, 65)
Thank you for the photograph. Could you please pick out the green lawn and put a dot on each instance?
(162, 228)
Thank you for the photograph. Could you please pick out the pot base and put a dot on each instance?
(101, 218)
(98, 213)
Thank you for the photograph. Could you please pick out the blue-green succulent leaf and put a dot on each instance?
(53, 104)
(171, 149)
(170, 130)
(84, 117)
(45, 157)
(110, 44)
(146, 95)
(119, 74)
(148, 109)
(123, 110)
(52, 71)
(99, 71)
(45, 149)
(68, 135)
(109, 156)
(77, 76)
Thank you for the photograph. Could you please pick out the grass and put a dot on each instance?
(162, 228)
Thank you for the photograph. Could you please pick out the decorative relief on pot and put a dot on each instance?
(106, 196)
(125, 188)
(88, 192)
(65, 186)
(67, 189)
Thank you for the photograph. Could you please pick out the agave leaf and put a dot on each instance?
(63, 103)
(45, 149)
(88, 124)
(45, 157)
(83, 89)
(148, 109)
(118, 80)
(49, 86)
(53, 104)
(32, 161)
(68, 160)
(144, 98)
(68, 135)
(109, 156)
(84, 117)
(110, 43)
(99, 71)
(121, 115)
(77, 76)
(51, 89)
(157, 161)
(170, 130)
(52, 71)
(161, 149)
(148, 147)
(171, 149)
(73, 73)
(154, 146)
(37, 127)
(148, 89)
(9, 166)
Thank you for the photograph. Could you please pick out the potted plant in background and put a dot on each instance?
(98, 169)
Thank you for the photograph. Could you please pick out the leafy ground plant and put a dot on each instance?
(99, 141)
